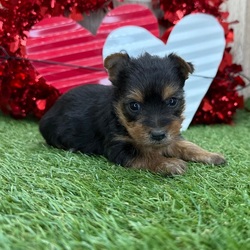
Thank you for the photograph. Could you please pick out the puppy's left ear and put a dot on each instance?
(114, 63)
(186, 67)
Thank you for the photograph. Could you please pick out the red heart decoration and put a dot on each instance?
(62, 40)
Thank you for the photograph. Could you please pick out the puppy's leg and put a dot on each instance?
(158, 164)
(127, 155)
(189, 151)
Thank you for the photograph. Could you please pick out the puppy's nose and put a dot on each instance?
(158, 135)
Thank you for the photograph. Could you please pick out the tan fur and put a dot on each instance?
(135, 129)
(168, 92)
(173, 129)
(170, 160)
(189, 151)
(135, 95)
(153, 160)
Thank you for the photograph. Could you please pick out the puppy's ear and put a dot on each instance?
(114, 63)
(186, 67)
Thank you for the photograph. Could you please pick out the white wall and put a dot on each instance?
(240, 10)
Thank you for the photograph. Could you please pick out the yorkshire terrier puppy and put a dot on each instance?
(135, 122)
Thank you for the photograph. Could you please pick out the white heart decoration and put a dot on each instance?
(197, 38)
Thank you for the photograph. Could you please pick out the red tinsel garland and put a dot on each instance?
(222, 99)
(22, 90)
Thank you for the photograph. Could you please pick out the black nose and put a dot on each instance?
(158, 135)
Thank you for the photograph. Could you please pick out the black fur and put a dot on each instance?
(84, 120)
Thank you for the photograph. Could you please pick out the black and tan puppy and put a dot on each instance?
(135, 122)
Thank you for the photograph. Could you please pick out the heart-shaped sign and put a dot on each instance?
(197, 38)
(64, 41)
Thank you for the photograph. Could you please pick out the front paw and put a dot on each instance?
(172, 166)
(216, 159)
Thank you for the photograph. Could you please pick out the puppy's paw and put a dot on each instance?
(172, 166)
(216, 159)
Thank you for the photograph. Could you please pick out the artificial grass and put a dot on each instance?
(52, 199)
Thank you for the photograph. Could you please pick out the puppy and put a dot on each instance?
(135, 122)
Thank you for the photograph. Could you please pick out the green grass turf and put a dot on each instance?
(52, 199)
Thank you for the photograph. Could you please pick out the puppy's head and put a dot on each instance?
(149, 95)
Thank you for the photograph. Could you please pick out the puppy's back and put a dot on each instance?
(69, 122)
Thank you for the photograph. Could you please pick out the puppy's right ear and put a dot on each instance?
(114, 63)
(186, 68)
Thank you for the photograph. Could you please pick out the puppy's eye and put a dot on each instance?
(172, 102)
(134, 106)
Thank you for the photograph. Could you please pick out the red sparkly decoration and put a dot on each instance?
(22, 91)
(222, 99)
